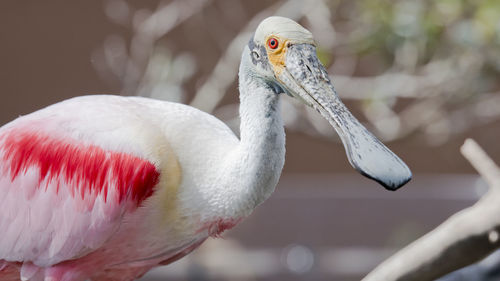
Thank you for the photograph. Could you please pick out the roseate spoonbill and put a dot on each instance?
(107, 187)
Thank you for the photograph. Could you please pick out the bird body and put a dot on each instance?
(172, 208)
(107, 187)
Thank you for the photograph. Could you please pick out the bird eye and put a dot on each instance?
(272, 43)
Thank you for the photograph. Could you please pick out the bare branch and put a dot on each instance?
(463, 239)
(481, 162)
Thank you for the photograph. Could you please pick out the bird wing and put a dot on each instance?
(61, 195)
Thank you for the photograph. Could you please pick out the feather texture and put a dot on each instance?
(94, 185)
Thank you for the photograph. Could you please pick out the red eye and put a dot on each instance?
(272, 43)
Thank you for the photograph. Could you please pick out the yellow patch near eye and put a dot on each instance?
(277, 56)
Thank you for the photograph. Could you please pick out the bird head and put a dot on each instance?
(283, 53)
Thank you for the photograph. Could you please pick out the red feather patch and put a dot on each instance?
(88, 169)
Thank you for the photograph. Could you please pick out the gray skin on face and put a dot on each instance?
(258, 55)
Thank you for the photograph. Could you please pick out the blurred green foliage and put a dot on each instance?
(439, 24)
(459, 39)
(436, 29)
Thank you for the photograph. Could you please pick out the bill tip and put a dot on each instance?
(389, 184)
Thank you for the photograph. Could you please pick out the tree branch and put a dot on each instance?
(463, 239)
(481, 162)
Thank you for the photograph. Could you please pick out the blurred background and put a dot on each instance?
(421, 75)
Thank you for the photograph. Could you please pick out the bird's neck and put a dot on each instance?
(261, 128)
(256, 164)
